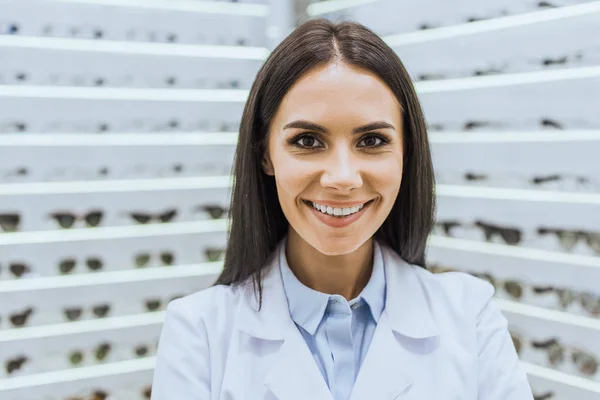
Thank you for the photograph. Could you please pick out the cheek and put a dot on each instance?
(386, 179)
(292, 177)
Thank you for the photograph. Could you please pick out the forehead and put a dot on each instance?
(337, 91)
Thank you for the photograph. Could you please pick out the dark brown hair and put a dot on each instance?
(257, 221)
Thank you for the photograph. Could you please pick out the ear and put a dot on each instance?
(267, 165)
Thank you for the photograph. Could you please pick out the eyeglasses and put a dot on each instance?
(19, 269)
(438, 268)
(100, 353)
(10, 222)
(75, 313)
(517, 341)
(15, 364)
(155, 303)
(141, 350)
(147, 392)
(513, 287)
(215, 211)
(589, 301)
(20, 319)
(67, 220)
(214, 253)
(511, 236)
(544, 396)
(142, 259)
(568, 239)
(67, 265)
(585, 362)
(144, 218)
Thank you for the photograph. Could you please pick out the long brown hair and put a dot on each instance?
(257, 221)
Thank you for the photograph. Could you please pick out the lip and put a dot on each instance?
(340, 204)
(337, 222)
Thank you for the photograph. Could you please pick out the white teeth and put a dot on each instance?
(338, 212)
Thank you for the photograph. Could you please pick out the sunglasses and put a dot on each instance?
(589, 301)
(512, 287)
(144, 218)
(586, 363)
(67, 265)
(100, 352)
(20, 319)
(544, 396)
(517, 341)
(510, 236)
(15, 364)
(215, 211)
(10, 222)
(568, 239)
(18, 269)
(438, 268)
(75, 313)
(142, 259)
(155, 303)
(213, 254)
(67, 220)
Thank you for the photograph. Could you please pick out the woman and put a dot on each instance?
(324, 292)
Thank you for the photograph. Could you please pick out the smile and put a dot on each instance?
(337, 212)
(338, 217)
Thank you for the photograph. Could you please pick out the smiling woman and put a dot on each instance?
(325, 293)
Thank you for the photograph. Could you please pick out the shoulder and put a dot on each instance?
(460, 286)
(457, 293)
(207, 305)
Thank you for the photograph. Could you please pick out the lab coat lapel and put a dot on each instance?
(292, 374)
(295, 375)
(405, 326)
(383, 375)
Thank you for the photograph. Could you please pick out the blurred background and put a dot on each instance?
(118, 123)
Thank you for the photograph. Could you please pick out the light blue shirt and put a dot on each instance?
(338, 332)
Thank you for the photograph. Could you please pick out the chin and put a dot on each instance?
(337, 246)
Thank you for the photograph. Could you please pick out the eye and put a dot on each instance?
(307, 141)
(373, 141)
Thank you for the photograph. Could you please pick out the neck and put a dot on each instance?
(346, 274)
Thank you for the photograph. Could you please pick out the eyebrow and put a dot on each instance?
(303, 124)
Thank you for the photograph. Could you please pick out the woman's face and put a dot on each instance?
(335, 149)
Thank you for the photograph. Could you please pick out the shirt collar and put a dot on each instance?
(307, 306)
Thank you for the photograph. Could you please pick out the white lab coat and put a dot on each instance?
(440, 337)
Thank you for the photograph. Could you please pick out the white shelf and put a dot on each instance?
(234, 95)
(113, 232)
(493, 25)
(116, 186)
(111, 278)
(554, 316)
(523, 208)
(121, 94)
(564, 386)
(507, 80)
(545, 268)
(97, 372)
(520, 195)
(209, 7)
(512, 137)
(134, 48)
(81, 327)
(118, 139)
(328, 6)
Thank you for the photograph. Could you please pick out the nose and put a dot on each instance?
(341, 171)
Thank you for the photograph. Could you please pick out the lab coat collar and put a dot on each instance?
(406, 304)
(385, 373)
